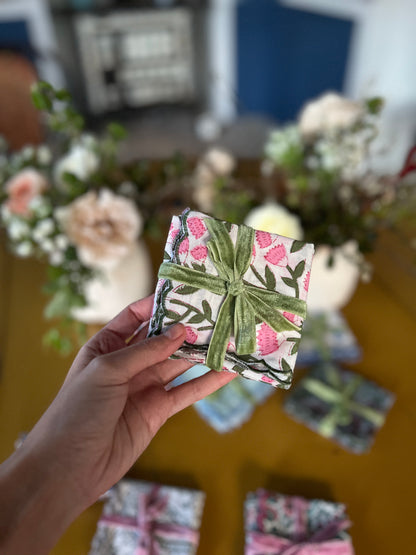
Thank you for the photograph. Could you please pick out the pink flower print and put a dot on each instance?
(277, 256)
(191, 335)
(264, 239)
(267, 340)
(266, 379)
(184, 246)
(172, 235)
(306, 281)
(196, 227)
(253, 253)
(200, 252)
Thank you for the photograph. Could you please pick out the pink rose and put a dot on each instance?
(22, 189)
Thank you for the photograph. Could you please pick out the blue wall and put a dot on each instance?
(14, 36)
(286, 57)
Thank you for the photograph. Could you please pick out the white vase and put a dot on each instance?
(331, 287)
(113, 289)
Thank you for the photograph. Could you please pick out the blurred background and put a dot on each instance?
(209, 97)
(219, 68)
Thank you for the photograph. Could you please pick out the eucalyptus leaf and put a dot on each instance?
(206, 308)
(186, 290)
(289, 281)
(197, 319)
(270, 279)
(300, 268)
(297, 246)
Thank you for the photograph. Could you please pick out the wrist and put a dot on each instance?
(36, 503)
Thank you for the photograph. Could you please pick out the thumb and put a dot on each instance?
(121, 366)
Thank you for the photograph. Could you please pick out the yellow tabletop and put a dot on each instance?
(270, 450)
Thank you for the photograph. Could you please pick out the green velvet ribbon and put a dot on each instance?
(340, 396)
(243, 302)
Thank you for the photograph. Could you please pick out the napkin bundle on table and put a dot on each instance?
(340, 405)
(143, 518)
(279, 524)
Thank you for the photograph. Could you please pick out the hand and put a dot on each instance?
(110, 406)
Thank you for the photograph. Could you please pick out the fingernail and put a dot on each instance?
(173, 332)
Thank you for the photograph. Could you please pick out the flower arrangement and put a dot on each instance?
(75, 207)
(318, 183)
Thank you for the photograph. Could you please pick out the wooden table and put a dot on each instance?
(269, 451)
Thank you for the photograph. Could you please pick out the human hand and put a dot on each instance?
(110, 406)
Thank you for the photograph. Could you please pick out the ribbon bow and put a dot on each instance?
(150, 507)
(340, 396)
(243, 302)
(267, 544)
(323, 541)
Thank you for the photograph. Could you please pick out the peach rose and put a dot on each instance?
(22, 188)
(103, 226)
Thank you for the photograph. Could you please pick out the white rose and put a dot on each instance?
(103, 226)
(329, 112)
(275, 218)
(80, 161)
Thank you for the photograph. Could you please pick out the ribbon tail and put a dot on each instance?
(221, 335)
(194, 278)
(244, 326)
(269, 314)
(279, 301)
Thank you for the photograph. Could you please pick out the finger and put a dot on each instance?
(139, 334)
(163, 373)
(189, 393)
(123, 326)
(113, 336)
(121, 366)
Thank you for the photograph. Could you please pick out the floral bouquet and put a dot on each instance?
(76, 207)
(317, 181)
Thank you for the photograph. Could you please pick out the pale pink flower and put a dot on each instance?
(199, 252)
(277, 255)
(103, 226)
(191, 335)
(196, 227)
(22, 188)
(267, 340)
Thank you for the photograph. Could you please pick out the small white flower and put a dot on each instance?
(43, 229)
(47, 245)
(80, 161)
(24, 249)
(5, 213)
(17, 229)
(275, 218)
(27, 152)
(40, 207)
(61, 242)
(44, 155)
(56, 258)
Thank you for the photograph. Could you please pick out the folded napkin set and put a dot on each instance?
(144, 518)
